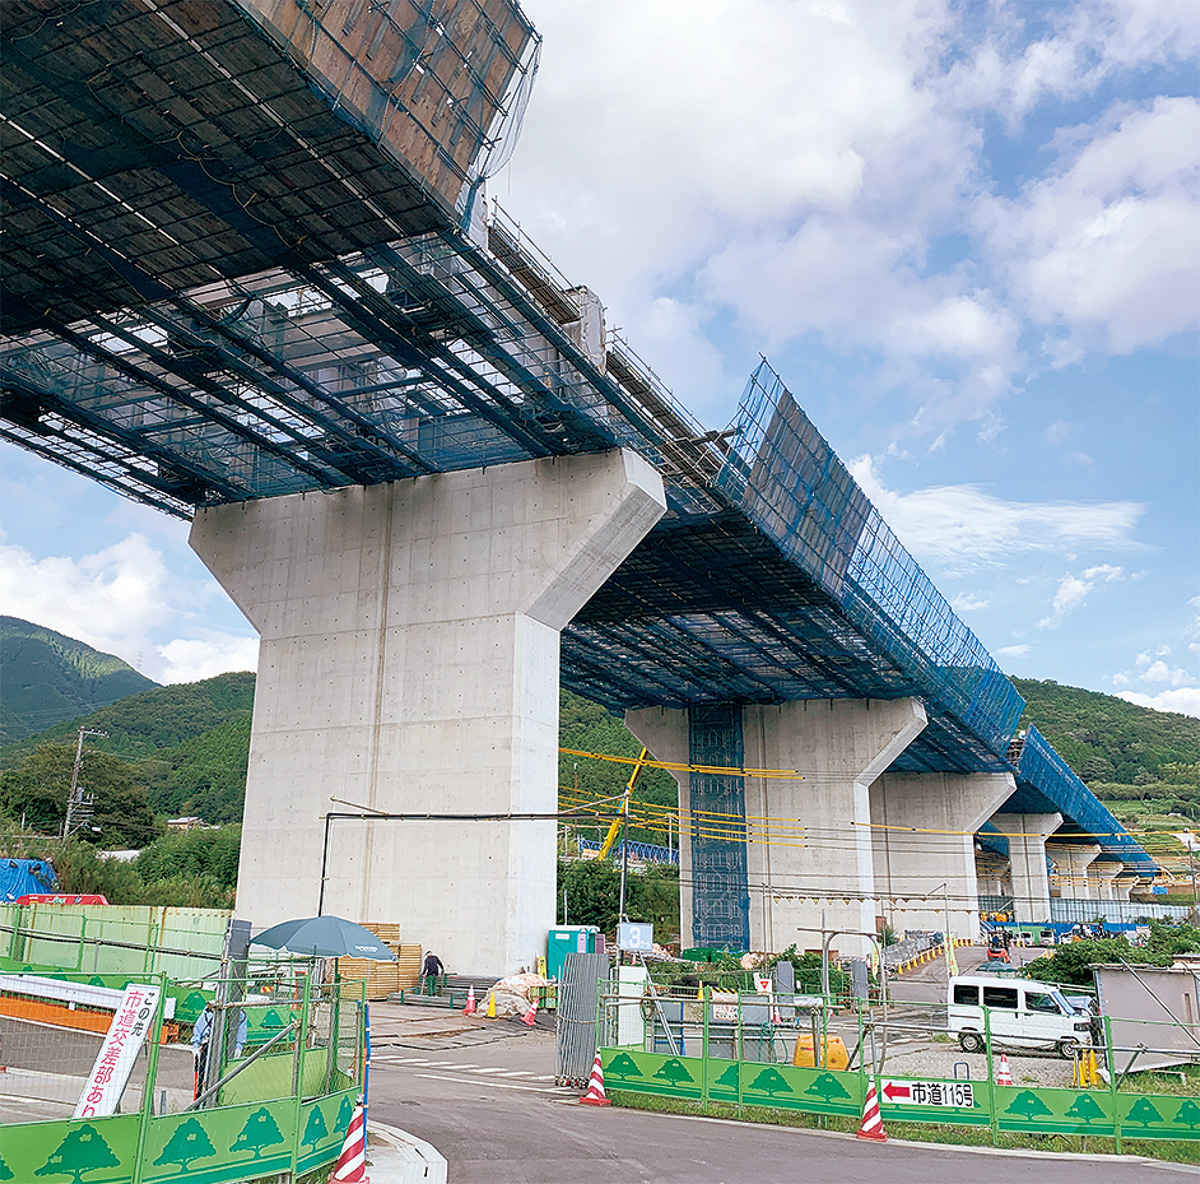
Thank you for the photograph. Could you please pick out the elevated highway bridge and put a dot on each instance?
(251, 278)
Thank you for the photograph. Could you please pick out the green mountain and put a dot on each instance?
(46, 677)
(143, 725)
(1105, 739)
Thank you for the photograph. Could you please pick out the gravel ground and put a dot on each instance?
(922, 1059)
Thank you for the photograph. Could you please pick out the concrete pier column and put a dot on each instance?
(810, 845)
(1072, 861)
(1102, 877)
(409, 663)
(1027, 835)
(923, 832)
(817, 851)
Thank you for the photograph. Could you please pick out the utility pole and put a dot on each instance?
(78, 802)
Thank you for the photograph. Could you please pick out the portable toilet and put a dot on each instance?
(568, 939)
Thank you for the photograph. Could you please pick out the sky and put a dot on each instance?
(966, 235)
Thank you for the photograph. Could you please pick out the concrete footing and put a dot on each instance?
(409, 663)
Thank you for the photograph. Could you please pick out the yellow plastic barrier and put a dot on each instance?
(834, 1049)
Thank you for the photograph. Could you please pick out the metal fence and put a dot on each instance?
(262, 1081)
(762, 1050)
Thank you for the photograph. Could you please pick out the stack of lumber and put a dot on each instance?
(408, 968)
(380, 977)
(383, 978)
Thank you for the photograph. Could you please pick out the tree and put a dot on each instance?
(1086, 1108)
(674, 1071)
(770, 1081)
(190, 1141)
(261, 1131)
(345, 1114)
(39, 787)
(315, 1129)
(593, 889)
(83, 1150)
(729, 1078)
(827, 1087)
(5, 1170)
(623, 1066)
(1028, 1105)
(1143, 1111)
(1188, 1114)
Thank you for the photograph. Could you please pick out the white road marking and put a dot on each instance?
(532, 1089)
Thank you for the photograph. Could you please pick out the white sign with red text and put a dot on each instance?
(928, 1093)
(114, 1062)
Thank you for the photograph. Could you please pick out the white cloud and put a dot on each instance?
(192, 660)
(1072, 592)
(1013, 651)
(122, 600)
(1184, 700)
(793, 168)
(1105, 251)
(110, 599)
(962, 528)
(967, 602)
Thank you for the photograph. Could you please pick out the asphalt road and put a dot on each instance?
(493, 1110)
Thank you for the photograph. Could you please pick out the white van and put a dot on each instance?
(1024, 1014)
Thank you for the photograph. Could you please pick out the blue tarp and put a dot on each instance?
(18, 877)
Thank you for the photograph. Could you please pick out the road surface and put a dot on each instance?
(493, 1110)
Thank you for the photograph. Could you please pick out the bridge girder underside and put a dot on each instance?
(216, 287)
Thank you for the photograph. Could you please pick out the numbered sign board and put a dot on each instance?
(929, 1093)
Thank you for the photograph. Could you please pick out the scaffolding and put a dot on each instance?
(245, 258)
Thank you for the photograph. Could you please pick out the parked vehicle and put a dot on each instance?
(1024, 1014)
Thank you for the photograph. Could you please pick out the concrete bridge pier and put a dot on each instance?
(1073, 861)
(409, 662)
(923, 829)
(1027, 835)
(804, 835)
(1103, 879)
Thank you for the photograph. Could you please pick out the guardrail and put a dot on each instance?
(927, 956)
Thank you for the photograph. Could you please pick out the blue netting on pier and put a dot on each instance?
(717, 802)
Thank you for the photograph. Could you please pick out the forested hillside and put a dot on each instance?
(184, 749)
(1125, 753)
(46, 677)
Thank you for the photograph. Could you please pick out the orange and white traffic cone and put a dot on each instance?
(531, 1015)
(352, 1163)
(595, 1095)
(470, 1008)
(871, 1126)
(1004, 1073)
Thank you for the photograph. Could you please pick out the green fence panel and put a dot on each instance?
(1055, 1111)
(1158, 1116)
(818, 1091)
(323, 1127)
(216, 1146)
(101, 1151)
(651, 1073)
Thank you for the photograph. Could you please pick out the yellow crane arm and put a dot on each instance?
(614, 830)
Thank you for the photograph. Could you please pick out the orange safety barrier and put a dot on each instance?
(57, 1014)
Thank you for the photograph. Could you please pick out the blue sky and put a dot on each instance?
(965, 235)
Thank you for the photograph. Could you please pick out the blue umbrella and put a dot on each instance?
(324, 937)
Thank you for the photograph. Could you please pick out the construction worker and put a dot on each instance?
(432, 968)
(202, 1041)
